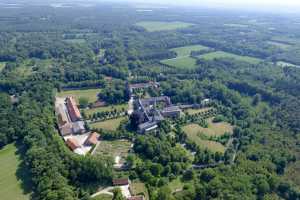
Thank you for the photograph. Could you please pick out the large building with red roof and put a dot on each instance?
(74, 112)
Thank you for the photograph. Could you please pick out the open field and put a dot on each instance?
(222, 54)
(285, 64)
(90, 94)
(113, 149)
(196, 111)
(10, 171)
(281, 45)
(110, 125)
(139, 188)
(186, 51)
(214, 129)
(118, 107)
(194, 132)
(75, 41)
(2, 65)
(152, 26)
(237, 25)
(181, 62)
(286, 39)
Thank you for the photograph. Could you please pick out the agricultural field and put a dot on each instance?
(109, 125)
(90, 94)
(152, 26)
(2, 65)
(139, 188)
(118, 107)
(116, 149)
(11, 187)
(285, 64)
(75, 41)
(192, 111)
(281, 45)
(181, 62)
(222, 54)
(194, 132)
(186, 51)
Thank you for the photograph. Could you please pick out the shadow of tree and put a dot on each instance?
(23, 173)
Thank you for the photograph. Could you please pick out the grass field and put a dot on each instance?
(110, 125)
(186, 51)
(10, 185)
(281, 45)
(90, 94)
(113, 149)
(139, 188)
(75, 41)
(2, 65)
(181, 62)
(285, 64)
(119, 107)
(214, 129)
(152, 26)
(196, 111)
(222, 54)
(194, 132)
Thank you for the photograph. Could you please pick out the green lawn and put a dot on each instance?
(222, 54)
(11, 187)
(186, 51)
(181, 62)
(194, 132)
(2, 65)
(90, 94)
(152, 26)
(110, 125)
(119, 107)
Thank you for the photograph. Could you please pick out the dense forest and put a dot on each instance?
(45, 49)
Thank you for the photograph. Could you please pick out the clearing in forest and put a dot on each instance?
(186, 51)
(90, 94)
(279, 44)
(195, 132)
(222, 54)
(11, 174)
(181, 62)
(2, 65)
(183, 59)
(152, 26)
(116, 149)
(109, 125)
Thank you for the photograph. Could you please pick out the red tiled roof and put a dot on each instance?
(72, 143)
(121, 181)
(73, 109)
(92, 139)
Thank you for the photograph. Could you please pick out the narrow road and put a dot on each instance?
(104, 191)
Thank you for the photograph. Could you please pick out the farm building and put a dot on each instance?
(92, 139)
(120, 182)
(72, 143)
(66, 129)
(73, 109)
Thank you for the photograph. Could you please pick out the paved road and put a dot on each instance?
(104, 191)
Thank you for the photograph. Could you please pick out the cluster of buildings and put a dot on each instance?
(71, 126)
(153, 110)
